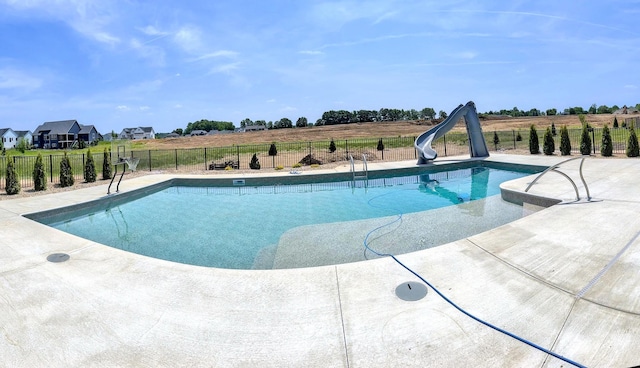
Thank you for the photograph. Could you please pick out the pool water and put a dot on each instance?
(231, 227)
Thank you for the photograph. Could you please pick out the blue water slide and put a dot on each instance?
(477, 144)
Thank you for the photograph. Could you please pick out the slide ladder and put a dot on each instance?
(477, 144)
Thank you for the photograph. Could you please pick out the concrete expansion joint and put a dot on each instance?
(344, 334)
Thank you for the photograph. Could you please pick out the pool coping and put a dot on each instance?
(540, 277)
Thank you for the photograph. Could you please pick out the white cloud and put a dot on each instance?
(188, 38)
(177, 106)
(630, 86)
(153, 31)
(123, 108)
(15, 79)
(144, 108)
(272, 100)
(310, 52)
(89, 18)
(225, 68)
(215, 54)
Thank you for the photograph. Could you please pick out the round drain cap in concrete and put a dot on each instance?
(411, 291)
(57, 257)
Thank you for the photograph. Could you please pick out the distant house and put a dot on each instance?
(26, 135)
(172, 135)
(9, 138)
(88, 133)
(63, 134)
(251, 128)
(137, 133)
(198, 132)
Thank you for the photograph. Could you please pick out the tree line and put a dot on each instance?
(335, 117)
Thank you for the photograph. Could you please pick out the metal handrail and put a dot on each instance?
(365, 168)
(554, 169)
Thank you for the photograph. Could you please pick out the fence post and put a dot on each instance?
(514, 138)
(238, 155)
(51, 166)
(149, 160)
(176, 152)
(205, 158)
(444, 139)
(593, 139)
(309, 145)
(346, 145)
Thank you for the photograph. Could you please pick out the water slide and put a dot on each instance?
(477, 144)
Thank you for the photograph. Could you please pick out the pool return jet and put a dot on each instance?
(477, 144)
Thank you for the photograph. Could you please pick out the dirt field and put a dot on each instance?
(368, 130)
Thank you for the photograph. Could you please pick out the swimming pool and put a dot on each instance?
(300, 225)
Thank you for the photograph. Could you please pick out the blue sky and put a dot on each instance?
(164, 64)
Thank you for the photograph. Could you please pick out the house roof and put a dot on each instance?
(22, 133)
(147, 129)
(55, 127)
(86, 129)
(2, 131)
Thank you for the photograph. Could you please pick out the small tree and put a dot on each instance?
(273, 151)
(549, 145)
(553, 129)
(585, 140)
(82, 144)
(254, 164)
(615, 122)
(518, 137)
(39, 175)
(632, 145)
(90, 169)
(106, 165)
(66, 172)
(496, 139)
(534, 144)
(607, 145)
(22, 145)
(332, 146)
(12, 185)
(565, 142)
(380, 145)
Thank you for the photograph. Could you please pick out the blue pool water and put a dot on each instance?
(229, 227)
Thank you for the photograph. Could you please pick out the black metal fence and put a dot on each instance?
(292, 154)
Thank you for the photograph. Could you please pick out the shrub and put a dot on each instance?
(106, 165)
(565, 142)
(279, 167)
(496, 139)
(228, 168)
(66, 172)
(90, 169)
(380, 145)
(615, 122)
(273, 151)
(518, 137)
(585, 140)
(12, 185)
(549, 145)
(297, 165)
(607, 145)
(22, 145)
(534, 144)
(254, 164)
(553, 129)
(332, 146)
(632, 145)
(39, 175)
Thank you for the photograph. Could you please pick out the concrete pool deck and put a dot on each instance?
(564, 278)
